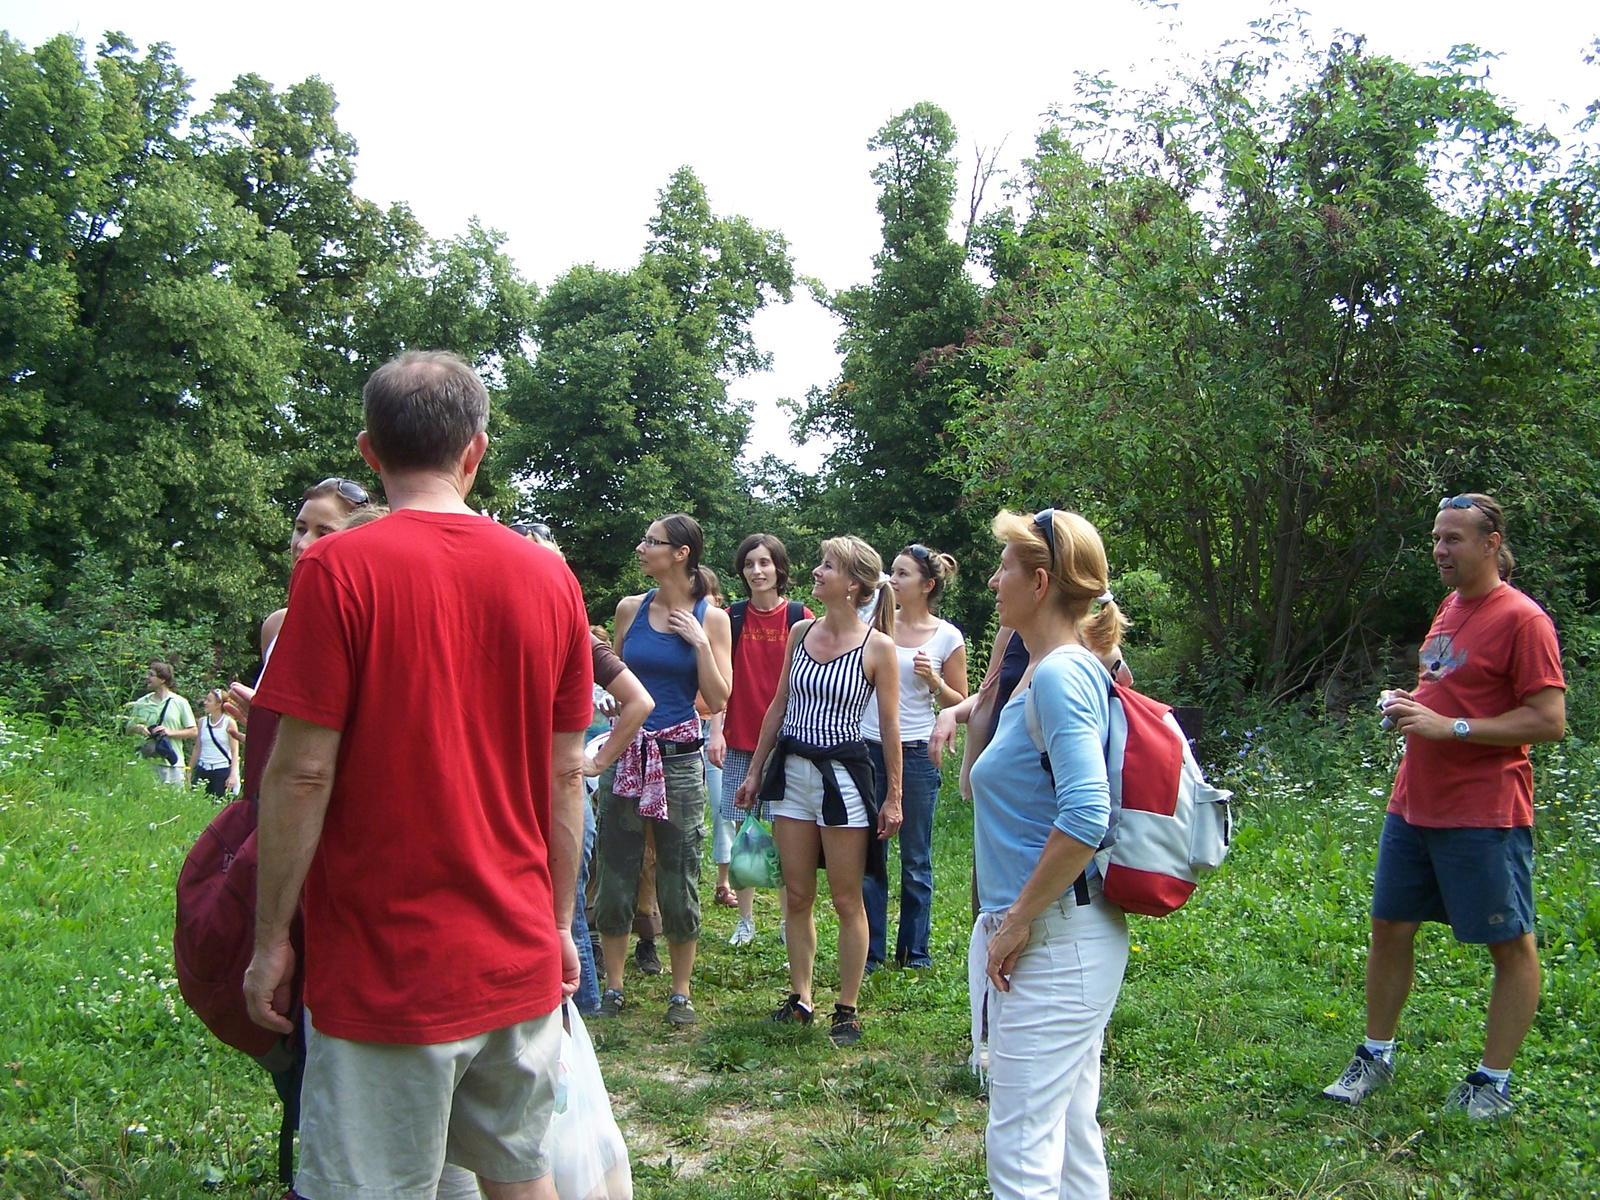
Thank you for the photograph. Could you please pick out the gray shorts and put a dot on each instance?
(379, 1121)
(619, 850)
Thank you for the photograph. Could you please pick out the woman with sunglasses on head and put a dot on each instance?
(677, 644)
(812, 765)
(933, 675)
(1048, 953)
(324, 508)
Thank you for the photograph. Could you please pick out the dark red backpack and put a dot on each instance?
(215, 937)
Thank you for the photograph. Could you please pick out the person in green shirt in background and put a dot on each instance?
(162, 712)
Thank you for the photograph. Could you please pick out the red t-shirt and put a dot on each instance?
(1482, 658)
(757, 664)
(446, 649)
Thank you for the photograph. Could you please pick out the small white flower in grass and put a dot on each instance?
(137, 1129)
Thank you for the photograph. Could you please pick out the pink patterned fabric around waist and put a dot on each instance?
(639, 770)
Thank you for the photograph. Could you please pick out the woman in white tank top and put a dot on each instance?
(933, 675)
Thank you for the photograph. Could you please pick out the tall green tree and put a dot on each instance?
(887, 478)
(1263, 327)
(623, 413)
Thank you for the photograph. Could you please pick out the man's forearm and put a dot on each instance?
(566, 845)
(288, 827)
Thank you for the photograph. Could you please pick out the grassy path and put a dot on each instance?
(1234, 1014)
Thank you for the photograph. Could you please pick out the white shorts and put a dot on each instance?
(802, 794)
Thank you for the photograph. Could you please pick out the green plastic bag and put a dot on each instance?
(755, 856)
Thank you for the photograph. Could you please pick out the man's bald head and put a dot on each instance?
(422, 409)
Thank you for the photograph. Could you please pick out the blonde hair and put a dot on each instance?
(1079, 576)
(862, 566)
(365, 515)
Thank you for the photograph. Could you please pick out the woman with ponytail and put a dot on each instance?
(812, 765)
(678, 644)
(1048, 953)
(933, 675)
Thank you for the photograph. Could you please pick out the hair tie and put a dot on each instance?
(1105, 597)
(883, 578)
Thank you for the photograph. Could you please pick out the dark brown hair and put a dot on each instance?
(422, 409)
(780, 559)
(935, 565)
(683, 530)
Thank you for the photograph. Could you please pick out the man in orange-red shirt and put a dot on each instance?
(1457, 844)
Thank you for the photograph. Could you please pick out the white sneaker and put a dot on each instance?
(1365, 1075)
(743, 933)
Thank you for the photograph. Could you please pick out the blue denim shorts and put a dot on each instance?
(1477, 881)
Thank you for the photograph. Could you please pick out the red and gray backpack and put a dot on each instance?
(1168, 825)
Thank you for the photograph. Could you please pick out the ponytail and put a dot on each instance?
(1102, 632)
(883, 611)
(703, 582)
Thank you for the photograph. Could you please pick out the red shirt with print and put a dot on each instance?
(446, 649)
(757, 665)
(1483, 658)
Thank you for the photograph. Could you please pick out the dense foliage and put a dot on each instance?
(1257, 321)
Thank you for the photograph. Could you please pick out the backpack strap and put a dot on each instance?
(736, 612)
(795, 613)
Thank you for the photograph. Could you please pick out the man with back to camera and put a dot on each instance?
(1457, 845)
(433, 676)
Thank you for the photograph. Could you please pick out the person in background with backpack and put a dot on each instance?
(933, 673)
(1047, 949)
(216, 758)
(760, 629)
(162, 713)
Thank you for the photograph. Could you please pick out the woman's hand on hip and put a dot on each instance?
(1005, 945)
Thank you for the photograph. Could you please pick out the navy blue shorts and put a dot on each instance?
(1477, 881)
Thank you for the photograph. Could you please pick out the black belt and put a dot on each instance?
(674, 749)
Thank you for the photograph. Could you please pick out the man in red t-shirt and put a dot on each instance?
(433, 676)
(1457, 845)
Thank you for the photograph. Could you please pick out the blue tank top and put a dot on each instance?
(665, 664)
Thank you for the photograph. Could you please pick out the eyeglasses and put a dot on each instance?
(647, 540)
(348, 488)
(1045, 519)
(1464, 502)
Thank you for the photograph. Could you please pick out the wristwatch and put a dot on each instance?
(1461, 729)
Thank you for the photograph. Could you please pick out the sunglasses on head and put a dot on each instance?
(1464, 502)
(348, 488)
(1045, 519)
(919, 552)
(536, 529)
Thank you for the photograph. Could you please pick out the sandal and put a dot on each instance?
(726, 896)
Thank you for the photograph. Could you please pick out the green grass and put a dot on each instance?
(1235, 1013)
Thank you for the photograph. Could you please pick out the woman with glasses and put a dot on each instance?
(677, 644)
(813, 767)
(933, 675)
(1048, 953)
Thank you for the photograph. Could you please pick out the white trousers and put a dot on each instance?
(1043, 1138)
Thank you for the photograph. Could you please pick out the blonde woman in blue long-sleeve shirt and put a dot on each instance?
(1048, 952)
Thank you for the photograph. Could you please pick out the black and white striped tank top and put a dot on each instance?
(826, 700)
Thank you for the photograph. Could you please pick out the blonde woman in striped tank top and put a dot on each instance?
(812, 764)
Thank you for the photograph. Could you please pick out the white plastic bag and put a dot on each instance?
(588, 1158)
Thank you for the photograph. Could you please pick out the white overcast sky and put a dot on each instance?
(557, 124)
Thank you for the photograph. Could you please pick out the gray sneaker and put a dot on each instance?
(1365, 1075)
(680, 1011)
(1479, 1098)
(611, 1004)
